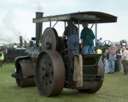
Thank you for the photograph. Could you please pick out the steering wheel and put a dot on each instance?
(107, 43)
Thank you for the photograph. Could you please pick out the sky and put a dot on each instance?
(16, 16)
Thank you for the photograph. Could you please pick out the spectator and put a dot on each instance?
(118, 60)
(105, 60)
(99, 43)
(125, 60)
(111, 59)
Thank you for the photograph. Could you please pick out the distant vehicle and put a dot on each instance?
(123, 43)
(105, 45)
(47, 62)
(12, 53)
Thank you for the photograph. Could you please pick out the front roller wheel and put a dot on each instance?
(94, 86)
(98, 85)
(19, 75)
(50, 73)
(19, 78)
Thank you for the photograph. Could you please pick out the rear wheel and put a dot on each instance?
(50, 73)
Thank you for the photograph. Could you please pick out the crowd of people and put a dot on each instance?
(115, 59)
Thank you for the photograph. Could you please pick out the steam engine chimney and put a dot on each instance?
(21, 41)
(38, 27)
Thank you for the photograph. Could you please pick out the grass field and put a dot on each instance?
(115, 89)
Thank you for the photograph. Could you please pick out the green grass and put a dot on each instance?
(115, 89)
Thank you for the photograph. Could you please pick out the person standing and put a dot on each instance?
(118, 60)
(71, 32)
(72, 35)
(105, 61)
(125, 60)
(87, 37)
(112, 59)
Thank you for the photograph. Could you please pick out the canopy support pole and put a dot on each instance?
(95, 34)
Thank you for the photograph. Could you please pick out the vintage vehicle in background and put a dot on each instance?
(123, 43)
(12, 53)
(103, 45)
(47, 65)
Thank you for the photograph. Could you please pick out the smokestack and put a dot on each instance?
(21, 41)
(25, 43)
(38, 27)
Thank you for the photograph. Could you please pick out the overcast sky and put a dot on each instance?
(16, 16)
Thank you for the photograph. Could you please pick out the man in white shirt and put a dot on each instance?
(125, 60)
